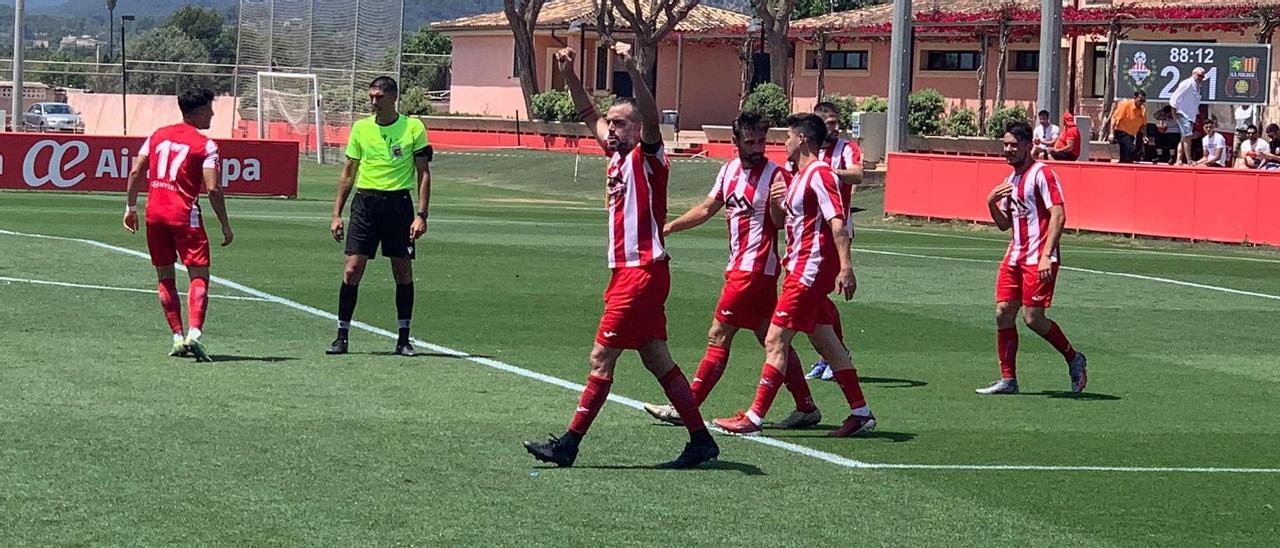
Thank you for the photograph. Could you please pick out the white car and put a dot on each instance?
(53, 117)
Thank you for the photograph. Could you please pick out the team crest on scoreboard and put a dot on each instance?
(1243, 81)
(1138, 71)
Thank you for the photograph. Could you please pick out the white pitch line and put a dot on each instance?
(1087, 270)
(637, 405)
(113, 288)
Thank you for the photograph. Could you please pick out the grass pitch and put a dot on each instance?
(105, 440)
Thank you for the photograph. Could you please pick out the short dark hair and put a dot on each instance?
(630, 102)
(385, 83)
(826, 107)
(1020, 130)
(1251, 127)
(194, 99)
(1044, 113)
(809, 126)
(1273, 127)
(1139, 93)
(748, 120)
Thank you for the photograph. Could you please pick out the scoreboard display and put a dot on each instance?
(1234, 73)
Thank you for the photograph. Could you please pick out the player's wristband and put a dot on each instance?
(422, 214)
(130, 209)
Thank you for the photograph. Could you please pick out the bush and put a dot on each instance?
(414, 102)
(924, 112)
(873, 104)
(554, 106)
(847, 106)
(1002, 116)
(962, 122)
(771, 102)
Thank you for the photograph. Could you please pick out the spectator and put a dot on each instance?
(1128, 123)
(1067, 146)
(1044, 136)
(1271, 154)
(1215, 147)
(1186, 104)
(1197, 132)
(1251, 148)
(1244, 118)
(1166, 135)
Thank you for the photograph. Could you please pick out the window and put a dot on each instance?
(839, 60)
(952, 60)
(1026, 61)
(602, 68)
(1099, 87)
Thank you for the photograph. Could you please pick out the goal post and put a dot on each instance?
(294, 99)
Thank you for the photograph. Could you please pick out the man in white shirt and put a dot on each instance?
(1186, 104)
(1215, 147)
(1044, 136)
(1251, 148)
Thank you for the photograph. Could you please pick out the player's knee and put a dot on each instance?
(601, 364)
(1033, 316)
(353, 273)
(720, 335)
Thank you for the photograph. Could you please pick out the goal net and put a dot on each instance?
(289, 109)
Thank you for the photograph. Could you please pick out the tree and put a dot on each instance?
(166, 44)
(429, 73)
(111, 23)
(428, 42)
(522, 17)
(206, 26)
(649, 27)
(775, 18)
(813, 8)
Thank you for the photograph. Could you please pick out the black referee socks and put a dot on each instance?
(346, 308)
(404, 310)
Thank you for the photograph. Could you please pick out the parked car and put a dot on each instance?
(53, 117)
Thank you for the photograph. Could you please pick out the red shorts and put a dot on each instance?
(802, 308)
(1022, 283)
(635, 306)
(747, 300)
(188, 244)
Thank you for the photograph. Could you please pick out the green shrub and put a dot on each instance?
(924, 112)
(554, 106)
(414, 102)
(873, 104)
(1003, 115)
(771, 102)
(962, 122)
(847, 106)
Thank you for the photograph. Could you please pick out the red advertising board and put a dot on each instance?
(92, 163)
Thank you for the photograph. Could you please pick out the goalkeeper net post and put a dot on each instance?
(291, 100)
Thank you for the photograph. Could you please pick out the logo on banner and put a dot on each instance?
(1242, 78)
(59, 163)
(1139, 71)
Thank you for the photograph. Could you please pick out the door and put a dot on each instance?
(33, 116)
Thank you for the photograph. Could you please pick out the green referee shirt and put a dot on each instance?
(386, 152)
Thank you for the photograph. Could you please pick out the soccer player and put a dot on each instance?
(845, 158)
(1030, 202)
(387, 155)
(175, 163)
(818, 262)
(635, 301)
(751, 277)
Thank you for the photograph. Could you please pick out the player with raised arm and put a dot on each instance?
(175, 164)
(1030, 203)
(845, 158)
(635, 302)
(751, 277)
(387, 157)
(818, 262)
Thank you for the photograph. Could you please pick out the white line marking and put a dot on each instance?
(1086, 270)
(112, 288)
(637, 405)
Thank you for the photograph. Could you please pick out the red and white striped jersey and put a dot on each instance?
(753, 237)
(178, 155)
(812, 201)
(842, 155)
(636, 198)
(1034, 192)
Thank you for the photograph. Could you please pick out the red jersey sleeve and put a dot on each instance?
(824, 185)
(1049, 188)
(717, 191)
(852, 155)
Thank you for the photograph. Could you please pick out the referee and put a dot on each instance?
(387, 155)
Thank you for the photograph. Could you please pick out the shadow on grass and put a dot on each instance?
(820, 432)
(1068, 395)
(265, 359)
(893, 383)
(716, 465)
(422, 354)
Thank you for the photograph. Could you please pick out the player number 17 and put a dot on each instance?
(163, 164)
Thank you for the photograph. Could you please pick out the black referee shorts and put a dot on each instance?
(381, 218)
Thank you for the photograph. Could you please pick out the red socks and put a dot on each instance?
(1059, 341)
(1007, 350)
(709, 372)
(771, 379)
(593, 398)
(197, 302)
(797, 384)
(682, 398)
(171, 304)
(848, 381)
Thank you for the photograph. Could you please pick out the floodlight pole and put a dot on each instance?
(900, 49)
(124, 79)
(1049, 90)
(15, 104)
